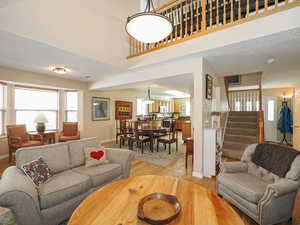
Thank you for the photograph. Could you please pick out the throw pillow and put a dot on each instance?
(37, 171)
(94, 156)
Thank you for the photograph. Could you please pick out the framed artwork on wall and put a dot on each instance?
(123, 110)
(235, 79)
(100, 108)
(209, 87)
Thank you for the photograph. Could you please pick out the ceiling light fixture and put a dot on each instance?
(148, 99)
(149, 26)
(59, 69)
(178, 94)
(270, 61)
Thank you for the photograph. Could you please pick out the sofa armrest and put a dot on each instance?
(234, 167)
(19, 194)
(283, 187)
(122, 157)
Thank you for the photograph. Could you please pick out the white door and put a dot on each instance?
(270, 117)
(296, 118)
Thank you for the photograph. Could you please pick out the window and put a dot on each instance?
(188, 108)
(30, 102)
(271, 109)
(71, 100)
(2, 109)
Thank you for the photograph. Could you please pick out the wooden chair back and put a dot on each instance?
(156, 123)
(16, 130)
(70, 128)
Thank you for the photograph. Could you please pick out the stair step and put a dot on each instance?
(251, 125)
(241, 131)
(234, 154)
(234, 145)
(240, 138)
(243, 113)
(242, 118)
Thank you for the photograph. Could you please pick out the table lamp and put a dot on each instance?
(40, 121)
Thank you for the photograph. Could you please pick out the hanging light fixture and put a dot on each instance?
(148, 98)
(149, 26)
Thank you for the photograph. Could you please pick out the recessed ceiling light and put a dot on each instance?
(87, 77)
(270, 61)
(59, 69)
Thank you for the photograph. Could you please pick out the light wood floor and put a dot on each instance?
(177, 169)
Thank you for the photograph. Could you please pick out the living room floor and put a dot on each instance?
(177, 169)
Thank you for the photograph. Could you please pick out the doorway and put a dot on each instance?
(296, 116)
(270, 107)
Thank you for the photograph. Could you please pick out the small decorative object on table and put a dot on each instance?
(158, 208)
(40, 121)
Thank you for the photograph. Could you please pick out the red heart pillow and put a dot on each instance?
(97, 155)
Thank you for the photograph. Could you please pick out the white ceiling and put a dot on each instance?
(182, 83)
(23, 53)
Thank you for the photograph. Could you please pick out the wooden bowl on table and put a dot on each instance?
(158, 208)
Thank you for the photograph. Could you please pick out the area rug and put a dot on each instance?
(161, 158)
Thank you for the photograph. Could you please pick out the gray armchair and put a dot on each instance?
(262, 195)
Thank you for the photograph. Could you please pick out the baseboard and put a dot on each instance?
(107, 141)
(4, 156)
(197, 174)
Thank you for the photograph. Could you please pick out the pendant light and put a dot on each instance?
(149, 26)
(148, 98)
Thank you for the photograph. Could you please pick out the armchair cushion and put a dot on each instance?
(68, 138)
(234, 167)
(70, 129)
(27, 144)
(245, 185)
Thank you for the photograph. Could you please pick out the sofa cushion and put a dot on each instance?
(245, 185)
(55, 155)
(102, 173)
(63, 186)
(76, 149)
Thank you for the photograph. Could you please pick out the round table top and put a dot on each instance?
(117, 203)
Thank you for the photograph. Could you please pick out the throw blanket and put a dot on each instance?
(274, 158)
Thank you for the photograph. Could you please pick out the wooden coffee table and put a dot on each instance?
(117, 203)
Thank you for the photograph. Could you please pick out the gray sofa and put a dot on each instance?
(262, 195)
(72, 182)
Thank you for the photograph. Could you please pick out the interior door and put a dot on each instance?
(270, 105)
(296, 117)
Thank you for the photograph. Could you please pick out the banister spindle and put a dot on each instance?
(181, 18)
(224, 12)
(256, 6)
(203, 25)
(248, 8)
(266, 4)
(210, 13)
(186, 17)
(231, 11)
(239, 10)
(217, 11)
(192, 16)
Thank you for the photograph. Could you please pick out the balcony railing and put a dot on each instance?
(193, 18)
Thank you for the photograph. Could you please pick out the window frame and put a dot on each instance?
(38, 110)
(66, 105)
(3, 111)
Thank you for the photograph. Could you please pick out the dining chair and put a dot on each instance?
(140, 139)
(171, 138)
(18, 138)
(123, 127)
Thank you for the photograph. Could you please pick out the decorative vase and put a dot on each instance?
(40, 127)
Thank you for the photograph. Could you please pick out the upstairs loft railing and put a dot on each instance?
(193, 18)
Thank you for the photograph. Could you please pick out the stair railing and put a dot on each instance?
(193, 18)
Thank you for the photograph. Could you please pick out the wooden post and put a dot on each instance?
(224, 12)
(231, 11)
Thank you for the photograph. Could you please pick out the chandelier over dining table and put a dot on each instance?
(149, 26)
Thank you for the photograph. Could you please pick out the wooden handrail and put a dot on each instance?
(194, 18)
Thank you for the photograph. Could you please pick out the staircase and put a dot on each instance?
(241, 131)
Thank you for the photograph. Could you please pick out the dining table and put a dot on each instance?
(150, 131)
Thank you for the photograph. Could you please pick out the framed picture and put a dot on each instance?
(123, 110)
(236, 79)
(100, 108)
(209, 87)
